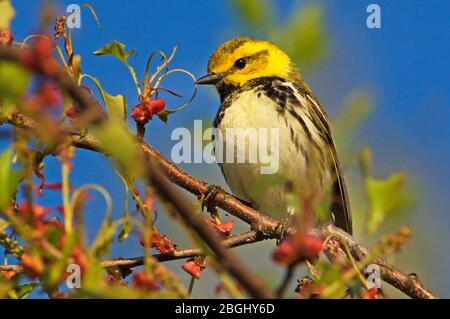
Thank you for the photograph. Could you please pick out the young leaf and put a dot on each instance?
(356, 109)
(7, 12)
(118, 143)
(164, 115)
(22, 291)
(305, 36)
(104, 238)
(13, 83)
(255, 14)
(9, 179)
(76, 62)
(384, 196)
(116, 106)
(3, 224)
(125, 231)
(116, 49)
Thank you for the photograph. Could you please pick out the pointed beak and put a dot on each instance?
(210, 78)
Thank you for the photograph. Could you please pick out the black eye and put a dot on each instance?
(240, 63)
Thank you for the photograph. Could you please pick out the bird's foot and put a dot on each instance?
(283, 226)
(206, 198)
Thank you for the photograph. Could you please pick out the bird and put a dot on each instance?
(261, 88)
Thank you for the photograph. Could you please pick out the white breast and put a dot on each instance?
(250, 111)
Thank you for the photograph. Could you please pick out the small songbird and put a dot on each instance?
(260, 87)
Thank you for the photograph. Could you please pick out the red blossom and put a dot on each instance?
(110, 277)
(307, 288)
(73, 112)
(6, 37)
(79, 258)
(46, 95)
(34, 211)
(33, 265)
(40, 56)
(60, 295)
(144, 111)
(43, 47)
(220, 287)
(49, 94)
(194, 267)
(8, 274)
(371, 293)
(163, 244)
(149, 201)
(297, 249)
(223, 228)
(145, 281)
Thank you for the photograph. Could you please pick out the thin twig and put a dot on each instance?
(286, 280)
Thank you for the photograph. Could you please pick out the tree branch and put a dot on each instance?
(232, 241)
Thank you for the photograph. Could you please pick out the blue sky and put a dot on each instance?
(405, 65)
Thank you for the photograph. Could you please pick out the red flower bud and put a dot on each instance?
(223, 228)
(48, 94)
(42, 56)
(8, 274)
(33, 265)
(79, 258)
(34, 211)
(6, 37)
(143, 280)
(297, 249)
(371, 294)
(156, 106)
(73, 112)
(144, 112)
(194, 267)
(163, 244)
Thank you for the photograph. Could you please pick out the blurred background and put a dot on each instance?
(387, 89)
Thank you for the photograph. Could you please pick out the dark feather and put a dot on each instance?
(340, 206)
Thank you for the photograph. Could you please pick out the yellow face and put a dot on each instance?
(242, 59)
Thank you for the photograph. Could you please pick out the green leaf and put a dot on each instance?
(116, 106)
(7, 12)
(3, 224)
(116, 49)
(22, 291)
(76, 62)
(104, 238)
(331, 279)
(164, 115)
(365, 160)
(14, 81)
(9, 179)
(256, 14)
(304, 37)
(384, 197)
(119, 144)
(356, 109)
(125, 231)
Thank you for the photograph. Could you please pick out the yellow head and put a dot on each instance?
(240, 60)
